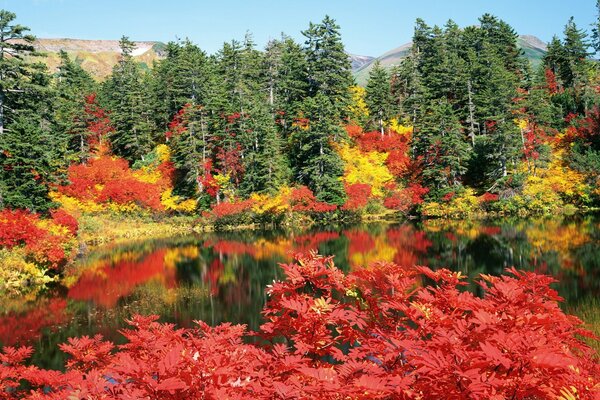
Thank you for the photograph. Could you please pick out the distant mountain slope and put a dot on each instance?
(359, 61)
(532, 46)
(97, 56)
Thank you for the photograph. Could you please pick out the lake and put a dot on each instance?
(222, 276)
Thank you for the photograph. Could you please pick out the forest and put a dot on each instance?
(465, 127)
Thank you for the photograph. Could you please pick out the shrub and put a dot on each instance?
(377, 333)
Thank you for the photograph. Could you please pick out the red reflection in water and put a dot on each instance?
(22, 328)
(105, 285)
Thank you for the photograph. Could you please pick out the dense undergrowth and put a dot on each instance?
(383, 331)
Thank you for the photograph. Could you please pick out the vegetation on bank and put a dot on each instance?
(432, 340)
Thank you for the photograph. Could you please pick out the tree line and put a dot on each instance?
(260, 119)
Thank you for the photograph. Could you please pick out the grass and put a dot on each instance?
(98, 229)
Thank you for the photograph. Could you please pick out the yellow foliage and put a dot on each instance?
(225, 185)
(366, 168)
(176, 203)
(265, 204)
(163, 152)
(19, 276)
(397, 127)
(357, 109)
(74, 206)
(462, 204)
(521, 123)
(147, 174)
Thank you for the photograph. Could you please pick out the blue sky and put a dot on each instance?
(369, 27)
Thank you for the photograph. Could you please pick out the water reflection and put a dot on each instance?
(222, 277)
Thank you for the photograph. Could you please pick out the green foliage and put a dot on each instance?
(316, 163)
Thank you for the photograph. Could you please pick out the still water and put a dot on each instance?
(222, 277)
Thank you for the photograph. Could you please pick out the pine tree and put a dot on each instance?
(329, 69)
(316, 164)
(378, 96)
(291, 85)
(439, 142)
(181, 78)
(15, 72)
(73, 86)
(127, 93)
(265, 169)
(29, 152)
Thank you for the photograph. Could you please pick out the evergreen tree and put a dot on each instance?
(73, 85)
(291, 85)
(316, 164)
(329, 69)
(29, 156)
(596, 29)
(439, 142)
(127, 95)
(378, 96)
(181, 78)
(265, 168)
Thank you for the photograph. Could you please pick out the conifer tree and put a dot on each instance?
(29, 152)
(73, 85)
(329, 69)
(127, 94)
(316, 164)
(378, 96)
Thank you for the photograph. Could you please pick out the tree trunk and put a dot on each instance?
(1, 112)
(471, 112)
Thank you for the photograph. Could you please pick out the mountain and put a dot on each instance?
(97, 56)
(359, 61)
(532, 46)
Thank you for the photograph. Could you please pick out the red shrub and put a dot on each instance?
(358, 196)
(18, 227)
(303, 199)
(406, 199)
(61, 217)
(374, 334)
(227, 208)
(488, 197)
(131, 190)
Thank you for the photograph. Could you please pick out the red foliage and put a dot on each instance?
(358, 196)
(448, 196)
(105, 179)
(131, 190)
(18, 227)
(61, 217)
(406, 199)
(551, 81)
(488, 197)
(374, 334)
(227, 208)
(303, 199)
(46, 314)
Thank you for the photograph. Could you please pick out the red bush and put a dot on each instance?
(302, 199)
(406, 199)
(358, 196)
(227, 208)
(488, 197)
(131, 190)
(18, 227)
(61, 217)
(374, 334)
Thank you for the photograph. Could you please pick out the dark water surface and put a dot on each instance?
(222, 277)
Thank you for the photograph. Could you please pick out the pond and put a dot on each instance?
(222, 277)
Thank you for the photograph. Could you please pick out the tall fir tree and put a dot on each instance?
(30, 157)
(73, 86)
(379, 96)
(316, 163)
(328, 65)
(127, 95)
